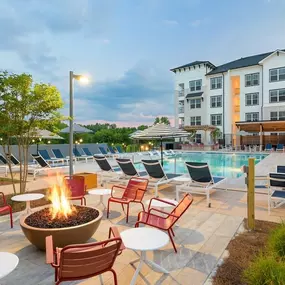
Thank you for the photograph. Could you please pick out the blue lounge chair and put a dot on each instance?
(87, 151)
(268, 147)
(119, 149)
(78, 155)
(104, 152)
(276, 190)
(44, 153)
(58, 154)
(112, 150)
(280, 147)
(201, 180)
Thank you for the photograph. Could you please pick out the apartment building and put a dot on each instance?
(247, 89)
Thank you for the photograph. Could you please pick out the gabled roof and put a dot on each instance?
(242, 62)
(197, 62)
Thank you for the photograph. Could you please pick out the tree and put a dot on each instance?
(24, 108)
(215, 134)
(162, 120)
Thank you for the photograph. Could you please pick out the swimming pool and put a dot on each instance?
(221, 164)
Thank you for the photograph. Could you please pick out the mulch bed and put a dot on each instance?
(242, 250)
(43, 218)
(7, 181)
(20, 206)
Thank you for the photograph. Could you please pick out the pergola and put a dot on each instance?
(204, 128)
(261, 127)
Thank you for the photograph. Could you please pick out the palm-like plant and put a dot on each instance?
(215, 134)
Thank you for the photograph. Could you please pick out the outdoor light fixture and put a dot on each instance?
(82, 79)
(81, 140)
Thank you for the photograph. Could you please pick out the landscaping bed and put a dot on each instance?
(7, 181)
(243, 250)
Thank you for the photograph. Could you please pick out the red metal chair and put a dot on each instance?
(166, 222)
(6, 208)
(133, 193)
(81, 261)
(77, 187)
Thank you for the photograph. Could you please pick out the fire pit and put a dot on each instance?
(67, 223)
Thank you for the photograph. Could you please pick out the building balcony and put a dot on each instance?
(181, 110)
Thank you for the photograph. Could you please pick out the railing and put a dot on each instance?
(182, 93)
(181, 110)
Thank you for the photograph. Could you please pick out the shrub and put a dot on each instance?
(265, 271)
(276, 241)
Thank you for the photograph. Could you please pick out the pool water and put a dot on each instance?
(221, 164)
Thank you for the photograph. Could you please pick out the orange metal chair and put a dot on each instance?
(133, 193)
(82, 261)
(77, 187)
(6, 208)
(167, 221)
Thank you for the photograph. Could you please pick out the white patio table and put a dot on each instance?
(101, 193)
(143, 240)
(9, 262)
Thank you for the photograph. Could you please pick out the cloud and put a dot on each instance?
(170, 22)
(140, 95)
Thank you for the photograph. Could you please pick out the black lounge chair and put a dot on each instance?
(201, 180)
(156, 172)
(128, 167)
(276, 190)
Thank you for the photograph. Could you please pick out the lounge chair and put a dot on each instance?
(128, 168)
(119, 149)
(280, 147)
(87, 152)
(82, 261)
(4, 164)
(78, 155)
(280, 168)
(163, 220)
(112, 150)
(104, 152)
(133, 193)
(44, 153)
(107, 170)
(201, 180)
(268, 147)
(276, 190)
(44, 166)
(58, 154)
(157, 174)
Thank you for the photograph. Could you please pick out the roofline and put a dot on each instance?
(184, 67)
(278, 50)
(259, 122)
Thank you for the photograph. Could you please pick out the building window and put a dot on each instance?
(251, 99)
(277, 74)
(216, 101)
(275, 116)
(195, 103)
(216, 82)
(251, 79)
(250, 117)
(195, 121)
(216, 120)
(195, 85)
(197, 138)
(277, 95)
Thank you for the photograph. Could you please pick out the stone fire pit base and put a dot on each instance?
(61, 236)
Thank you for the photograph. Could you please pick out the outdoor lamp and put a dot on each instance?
(81, 140)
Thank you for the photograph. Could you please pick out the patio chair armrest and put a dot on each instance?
(162, 212)
(49, 250)
(139, 189)
(3, 198)
(160, 200)
(117, 186)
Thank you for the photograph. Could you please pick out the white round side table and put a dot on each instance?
(158, 204)
(9, 262)
(143, 240)
(27, 198)
(101, 193)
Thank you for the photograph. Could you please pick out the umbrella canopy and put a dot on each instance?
(77, 129)
(160, 132)
(45, 134)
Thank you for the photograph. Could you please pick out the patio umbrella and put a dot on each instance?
(44, 134)
(160, 132)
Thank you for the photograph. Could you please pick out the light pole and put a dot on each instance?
(81, 78)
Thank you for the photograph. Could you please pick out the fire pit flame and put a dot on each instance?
(58, 195)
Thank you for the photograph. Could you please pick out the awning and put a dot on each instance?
(265, 126)
(193, 95)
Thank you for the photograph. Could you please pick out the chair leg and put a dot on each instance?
(11, 217)
(142, 206)
(123, 207)
(84, 199)
(172, 232)
(108, 209)
(115, 276)
(171, 239)
(128, 208)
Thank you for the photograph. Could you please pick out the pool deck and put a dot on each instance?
(202, 235)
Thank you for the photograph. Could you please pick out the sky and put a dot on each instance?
(127, 47)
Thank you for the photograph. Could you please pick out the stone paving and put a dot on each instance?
(202, 235)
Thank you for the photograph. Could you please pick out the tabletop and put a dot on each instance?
(144, 239)
(100, 191)
(160, 204)
(8, 262)
(27, 197)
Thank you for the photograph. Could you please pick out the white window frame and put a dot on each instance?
(215, 117)
(251, 99)
(214, 101)
(280, 71)
(197, 138)
(277, 95)
(252, 116)
(277, 117)
(195, 121)
(196, 100)
(197, 85)
(216, 82)
(251, 78)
